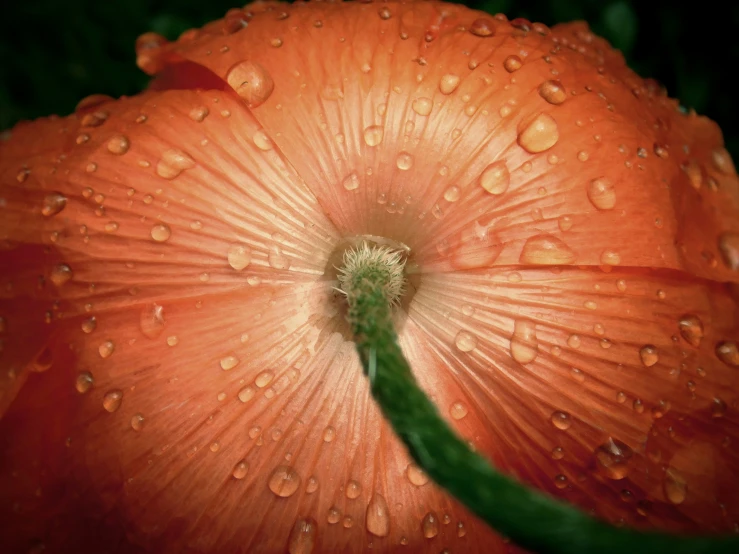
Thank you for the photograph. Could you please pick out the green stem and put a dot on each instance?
(529, 518)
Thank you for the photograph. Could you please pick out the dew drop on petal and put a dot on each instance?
(137, 422)
(546, 249)
(112, 400)
(483, 27)
(106, 349)
(350, 182)
(416, 475)
(84, 382)
(561, 420)
(229, 362)
(353, 489)
(495, 178)
(422, 106)
(118, 145)
(199, 113)
(602, 194)
(449, 83)
(60, 274)
(404, 161)
(728, 245)
(373, 135)
(524, 345)
(538, 134)
(452, 194)
(240, 470)
(612, 459)
(675, 486)
(691, 329)
(648, 355)
(465, 341)
(262, 141)
(161, 232)
(512, 63)
(174, 162)
(302, 539)
(553, 92)
(53, 204)
(151, 320)
(728, 352)
(457, 410)
(377, 518)
(609, 257)
(239, 256)
(430, 525)
(284, 481)
(251, 81)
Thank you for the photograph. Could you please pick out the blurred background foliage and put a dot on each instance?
(53, 53)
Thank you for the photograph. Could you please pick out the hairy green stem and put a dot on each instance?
(528, 517)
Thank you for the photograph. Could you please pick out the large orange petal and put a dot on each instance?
(177, 367)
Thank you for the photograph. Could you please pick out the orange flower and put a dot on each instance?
(177, 371)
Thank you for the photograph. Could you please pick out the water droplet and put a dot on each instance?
(718, 408)
(538, 134)
(84, 382)
(262, 141)
(348, 522)
(284, 481)
(240, 470)
(649, 355)
(449, 83)
(602, 194)
(561, 420)
(384, 13)
(373, 135)
(524, 345)
(302, 539)
(106, 349)
(495, 178)
(174, 162)
(728, 352)
(722, 161)
(53, 204)
(246, 394)
(512, 63)
(728, 245)
(465, 341)
(251, 82)
(452, 194)
(553, 92)
(239, 256)
(112, 400)
(574, 341)
(416, 475)
(353, 489)
(229, 362)
(404, 161)
(560, 481)
(378, 516)
(613, 458)
(609, 257)
(199, 113)
(483, 27)
(151, 320)
(422, 106)
(457, 410)
(264, 379)
(691, 329)
(546, 250)
(137, 422)
(277, 259)
(351, 182)
(675, 486)
(60, 274)
(161, 232)
(334, 515)
(430, 525)
(118, 145)
(329, 433)
(558, 453)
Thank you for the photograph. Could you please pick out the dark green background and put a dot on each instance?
(55, 52)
